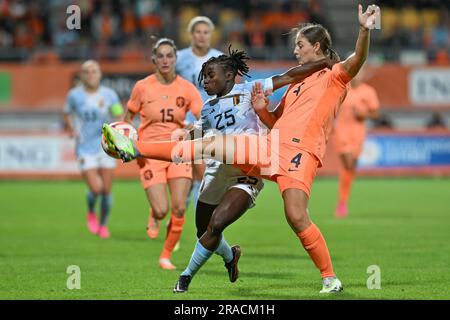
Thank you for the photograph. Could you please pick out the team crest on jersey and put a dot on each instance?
(181, 102)
(236, 99)
(148, 175)
(101, 103)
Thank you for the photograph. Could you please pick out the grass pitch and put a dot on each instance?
(400, 225)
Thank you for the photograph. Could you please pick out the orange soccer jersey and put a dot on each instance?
(351, 132)
(310, 108)
(162, 109)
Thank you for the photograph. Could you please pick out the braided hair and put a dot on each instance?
(234, 61)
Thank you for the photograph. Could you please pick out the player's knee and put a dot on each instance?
(96, 190)
(298, 220)
(160, 212)
(200, 232)
(178, 209)
(216, 225)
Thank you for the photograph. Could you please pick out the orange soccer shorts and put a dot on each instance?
(289, 166)
(154, 171)
(349, 142)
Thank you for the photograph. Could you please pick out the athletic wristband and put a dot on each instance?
(116, 109)
(268, 86)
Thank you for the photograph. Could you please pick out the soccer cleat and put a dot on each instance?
(232, 266)
(165, 264)
(341, 210)
(182, 284)
(331, 285)
(120, 143)
(153, 228)
(103, 232)
(92, 222)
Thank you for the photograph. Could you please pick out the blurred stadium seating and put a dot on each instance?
(39, 56)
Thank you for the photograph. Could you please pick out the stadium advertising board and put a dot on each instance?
(405, 151)
(430, 87)
(38, 154)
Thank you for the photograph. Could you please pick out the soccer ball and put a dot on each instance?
(124, 128)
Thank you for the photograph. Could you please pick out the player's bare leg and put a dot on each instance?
(232, 206)
(157, 198)
(295, 207)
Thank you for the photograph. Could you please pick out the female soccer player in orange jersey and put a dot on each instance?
(296, 143)
(361, 103)
(162, 100)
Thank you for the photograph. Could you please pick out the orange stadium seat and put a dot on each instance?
(389, 21)
(429, 17)
(410, 18)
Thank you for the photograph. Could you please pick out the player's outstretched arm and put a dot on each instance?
(366, 22)
(299, 73)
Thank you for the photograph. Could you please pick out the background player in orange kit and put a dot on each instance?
(300, 131)
(162, 100)
(361, 103)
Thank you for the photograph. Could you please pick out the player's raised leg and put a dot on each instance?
(183, 151)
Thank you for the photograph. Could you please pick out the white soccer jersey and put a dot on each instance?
(230, 114)
(233, 113)
(90, 111)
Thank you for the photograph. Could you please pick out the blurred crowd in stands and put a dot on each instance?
(417, 24)
(120, 29)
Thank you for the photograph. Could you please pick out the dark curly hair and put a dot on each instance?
(234, 61)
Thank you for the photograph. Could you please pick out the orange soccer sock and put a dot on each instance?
(314, 243)
(166, 150)
(345, 183)
(173, 236)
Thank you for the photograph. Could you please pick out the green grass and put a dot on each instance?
(401, 225)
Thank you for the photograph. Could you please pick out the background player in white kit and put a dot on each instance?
(88, 106)
(189, 64)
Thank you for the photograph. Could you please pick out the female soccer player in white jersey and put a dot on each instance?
(88, 106)
(226, 193)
